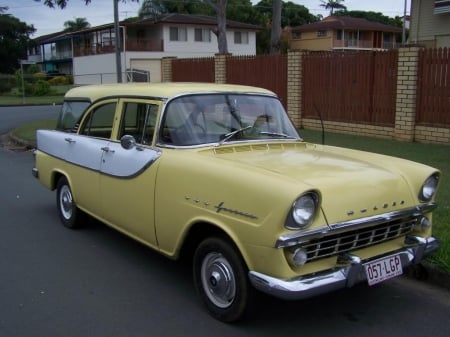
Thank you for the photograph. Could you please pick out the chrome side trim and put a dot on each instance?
(296, 238)
(348, 271)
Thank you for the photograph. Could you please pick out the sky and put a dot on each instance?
(98, 12)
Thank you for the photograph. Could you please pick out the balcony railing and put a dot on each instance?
(363, 44)
(145, 45)
(131, 45)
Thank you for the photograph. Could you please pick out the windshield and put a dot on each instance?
(220, 118)
(70, 114)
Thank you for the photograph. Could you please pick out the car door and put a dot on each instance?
(128, 176)
(85, 151)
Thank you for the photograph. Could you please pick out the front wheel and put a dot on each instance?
(220, 277)
(68, 212)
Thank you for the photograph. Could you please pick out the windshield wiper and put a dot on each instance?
(276, 134)
(233, 133)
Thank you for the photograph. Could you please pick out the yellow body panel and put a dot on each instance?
(245, 190)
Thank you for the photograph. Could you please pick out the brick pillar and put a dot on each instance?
(221, 68)
(166, 69)
(405, 107)
(294, 86)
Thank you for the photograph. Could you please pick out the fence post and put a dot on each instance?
(220, 71)
(294, 86)
(405, 107)
(166, 69)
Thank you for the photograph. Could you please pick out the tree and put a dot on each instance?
(291, 15)
(276, 28)
(333, 4)
(220, 7)
(75, 25)
(14, 41)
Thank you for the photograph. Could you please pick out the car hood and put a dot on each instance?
(352, 184)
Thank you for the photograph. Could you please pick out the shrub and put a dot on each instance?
(41, 88)
(39, 76)
(58, 80)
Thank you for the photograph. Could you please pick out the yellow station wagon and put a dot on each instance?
(219, 173)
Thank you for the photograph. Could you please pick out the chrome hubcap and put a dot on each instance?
(218, 280)
(66, 202)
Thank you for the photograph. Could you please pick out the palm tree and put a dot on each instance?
(333, 4)
(76, 24)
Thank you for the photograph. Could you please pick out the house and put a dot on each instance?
(344, 33)
(89, 54)
(430, 23)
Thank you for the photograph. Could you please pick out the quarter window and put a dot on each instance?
(139, 120)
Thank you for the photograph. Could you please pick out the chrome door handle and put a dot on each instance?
(107, 149)
(70, 140)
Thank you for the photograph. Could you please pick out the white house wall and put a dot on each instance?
(101, 68)
(191, 48)
(432, 30)
(95, 69)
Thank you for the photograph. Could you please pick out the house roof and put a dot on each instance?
(191, 19)
(171, 18)
(346, 22)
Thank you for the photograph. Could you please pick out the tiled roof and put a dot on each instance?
(176, 18)
(172, 18)
(346, 22)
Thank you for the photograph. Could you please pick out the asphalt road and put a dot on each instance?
(96, 282)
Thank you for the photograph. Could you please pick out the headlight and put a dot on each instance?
(303, 211)
(429, 188)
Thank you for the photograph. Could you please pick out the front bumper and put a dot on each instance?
(349, 272)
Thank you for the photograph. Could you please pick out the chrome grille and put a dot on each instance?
(335, 244)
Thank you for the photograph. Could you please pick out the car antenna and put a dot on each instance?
(321, 123)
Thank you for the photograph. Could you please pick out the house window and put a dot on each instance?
(241, 37)
(321, 33)
(178, 34)
(340, 34)
(202, 35)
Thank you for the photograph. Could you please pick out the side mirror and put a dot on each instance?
(128, 142)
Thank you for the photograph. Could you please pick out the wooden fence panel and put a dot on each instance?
(433, 87)
(193, 70)
(266, 71)
(350, 87)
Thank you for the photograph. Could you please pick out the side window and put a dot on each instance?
(100, 121)
(139, 120)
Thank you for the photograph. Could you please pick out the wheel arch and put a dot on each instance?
(201, 230)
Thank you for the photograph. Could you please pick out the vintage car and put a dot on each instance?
(219, 174)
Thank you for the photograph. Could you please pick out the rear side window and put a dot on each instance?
(70, 114)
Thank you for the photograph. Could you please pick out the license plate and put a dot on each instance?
(383, 269)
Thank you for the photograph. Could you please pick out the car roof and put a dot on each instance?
(156, 90)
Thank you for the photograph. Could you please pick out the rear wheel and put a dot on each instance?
(68, 212)
(220, 277)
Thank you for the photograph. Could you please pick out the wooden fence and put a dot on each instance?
(401, 94)
(193, 70)
(433, 98)
(267, 71)
(350, 87)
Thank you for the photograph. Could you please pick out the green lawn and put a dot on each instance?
(431, 154)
